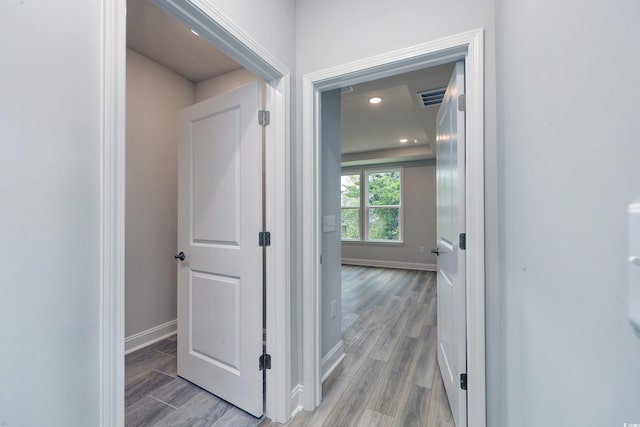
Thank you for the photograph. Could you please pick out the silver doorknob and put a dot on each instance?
(435, 251)
(181, 256)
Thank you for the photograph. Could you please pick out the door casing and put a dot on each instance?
(218, 29)
(469, 47)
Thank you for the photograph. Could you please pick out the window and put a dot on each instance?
(371, 205)
(350, 207)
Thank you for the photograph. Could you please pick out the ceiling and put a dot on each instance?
(378, 128)
(166, 40)
(366, 128)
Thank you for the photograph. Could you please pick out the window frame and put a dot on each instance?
(364, 207)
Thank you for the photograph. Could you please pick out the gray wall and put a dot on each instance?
(331, 286)
(221, 84)
(419, 221)
(154, 96)
(567, 175)
(50, 115)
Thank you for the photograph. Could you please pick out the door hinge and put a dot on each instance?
(463, 241)
(264, 118)
(264, 238)
(463, 381)
(462, 103)
(264, 362)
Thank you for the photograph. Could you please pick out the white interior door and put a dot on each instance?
(450, 176)
(219, 218)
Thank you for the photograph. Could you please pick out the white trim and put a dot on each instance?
(364, 197)
(332, 359)
(112, 197)
(390, 264)
(278, 260)
(296, 400)
(311, 241)
(211, 24)
(216, 27)
(468, 46)
(152, 335)
(475, 251)
(373, 242)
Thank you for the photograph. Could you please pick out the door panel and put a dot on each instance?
(219, 217)
(450, 175)
(214, 333)
(219, 164)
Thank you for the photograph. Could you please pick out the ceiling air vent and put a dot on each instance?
(431, 97)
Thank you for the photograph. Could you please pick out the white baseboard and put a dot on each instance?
(150, 336)
(296, 400)
(332, 360)
(390, 264)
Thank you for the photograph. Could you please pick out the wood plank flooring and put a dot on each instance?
(390, 375)
(155, 396)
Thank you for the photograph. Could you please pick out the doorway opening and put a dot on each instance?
(162, 86)
(382, 188)
(194, 188)
(466, 49)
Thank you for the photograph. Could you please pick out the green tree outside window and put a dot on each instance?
(382, 205)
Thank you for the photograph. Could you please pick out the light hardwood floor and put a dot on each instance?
(389, 376)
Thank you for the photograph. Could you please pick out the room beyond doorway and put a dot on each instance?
(185, 117)
(467, 47)
(213, 26)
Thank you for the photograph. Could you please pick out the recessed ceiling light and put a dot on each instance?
(404, 140)
(375, 100)
(194, 31)
(415, 141)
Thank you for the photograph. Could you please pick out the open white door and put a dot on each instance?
(450, 177)
(219, 218)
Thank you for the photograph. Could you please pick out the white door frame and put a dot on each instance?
(468, 46)
(214, 26)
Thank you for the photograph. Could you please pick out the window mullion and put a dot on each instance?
(364, 191)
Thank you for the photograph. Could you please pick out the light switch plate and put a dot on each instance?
(329, 223)
(634, 264)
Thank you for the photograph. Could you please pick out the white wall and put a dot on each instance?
(154, 96)
(49, 219)
(569, 152)
(271, 23)
(331, 272)
(50, 112)
(333, 32)
(418, 221)
(564, 354)
(221, 84)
